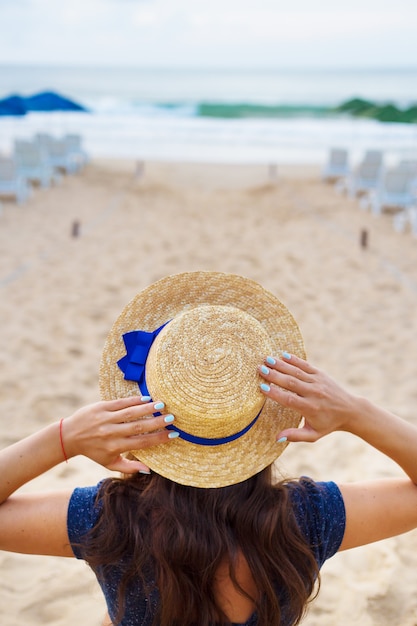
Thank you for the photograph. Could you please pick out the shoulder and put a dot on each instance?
(320, 514)
(319, 496)
(83, 513)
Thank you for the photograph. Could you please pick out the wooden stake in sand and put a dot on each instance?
(273, 172)
(140, 170)
(364, 238)
(76, 227)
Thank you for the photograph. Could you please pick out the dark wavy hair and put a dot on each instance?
(178, 536)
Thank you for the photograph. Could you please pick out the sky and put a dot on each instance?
(210, 33)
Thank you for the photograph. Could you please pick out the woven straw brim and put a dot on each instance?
(274, 328)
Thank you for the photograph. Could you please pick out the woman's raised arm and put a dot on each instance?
(375, 509)
(36, 523)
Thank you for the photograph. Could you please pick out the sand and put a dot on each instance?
(294, 234)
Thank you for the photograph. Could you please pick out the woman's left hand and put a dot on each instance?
(296, 384)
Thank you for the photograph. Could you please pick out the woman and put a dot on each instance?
(205, 538)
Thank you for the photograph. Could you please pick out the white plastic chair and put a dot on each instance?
(365, 178)
(76, 151)
(57, 153)
(12, 184)
(33, 164)
(410, 165)
(60, 158)
(404, 218)
(337, 166)
(373, 156)
(394, 192)
(65, 154)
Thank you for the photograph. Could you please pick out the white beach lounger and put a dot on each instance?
(58, 153)
(12, 184)
(65, 154)
(33, 164)
(76, 151)
(394, 193)
(365, 178)
(61, 158)
(337, 166)
(373, 156)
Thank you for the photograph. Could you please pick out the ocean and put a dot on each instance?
(235, 115)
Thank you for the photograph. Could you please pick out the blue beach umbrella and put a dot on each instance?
(13, 106)
(51, 101)
(46, 101)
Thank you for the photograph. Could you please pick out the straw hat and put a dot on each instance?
(194, 341)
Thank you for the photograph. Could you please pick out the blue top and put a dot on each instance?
(319, 511)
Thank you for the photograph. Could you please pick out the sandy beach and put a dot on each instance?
(292, 233)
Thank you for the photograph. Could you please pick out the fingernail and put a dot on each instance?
(173, 434)
(282, 440)
(286, 355)
(270, 360)
(145, 398)
(158, 406)
(264, 370)
(169, 418)
(147, 472)
(265, 387)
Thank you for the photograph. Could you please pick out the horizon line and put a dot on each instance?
(209, 68)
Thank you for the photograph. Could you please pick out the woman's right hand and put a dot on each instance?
(105, 430)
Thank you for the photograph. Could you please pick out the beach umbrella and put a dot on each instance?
(48, 109)
(56, 104)
(50, 101)
(13, 106)
(45, 101)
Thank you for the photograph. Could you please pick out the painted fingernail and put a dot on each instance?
(282, 440)
(286, 355)
(145, 472)
(158, 406)
(169, 418)
(145, 398)
(270, 360)
(264, 370)
(265, 387)
(173, 434)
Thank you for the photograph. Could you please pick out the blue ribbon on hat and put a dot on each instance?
(137, 344)
(133, 365)
(206, 441)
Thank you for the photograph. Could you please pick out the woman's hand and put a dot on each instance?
(36, 524)
(296, 384)
(376, 509)
(105, 430)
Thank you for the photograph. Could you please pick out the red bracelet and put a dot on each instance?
(62, 440)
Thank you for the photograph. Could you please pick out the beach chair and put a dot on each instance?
(43, 140)
(406, 218)
(32, 163)
(76, 151)
(373, 156)
(365, 178)
(394, 192)
(410, 165)
(337, 166)
(61, 158)
(56, 153)
(12, 184)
